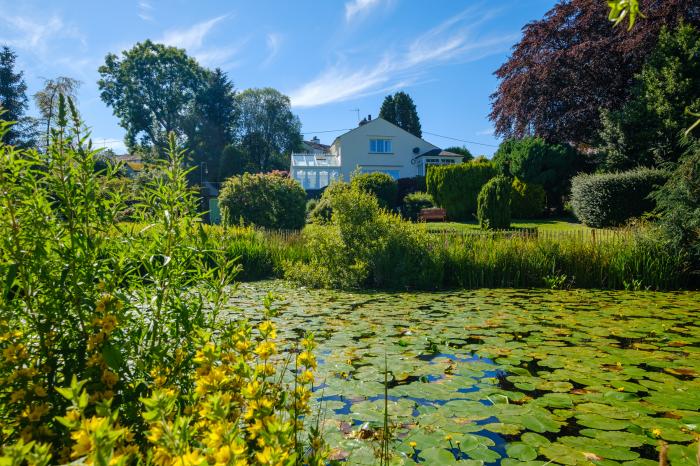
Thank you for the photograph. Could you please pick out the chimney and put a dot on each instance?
(315, 140)
(369, 117)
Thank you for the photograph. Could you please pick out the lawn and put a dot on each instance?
(550, 224)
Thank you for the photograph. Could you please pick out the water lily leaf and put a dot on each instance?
(535, 440)
(521, 451)
(596, 421)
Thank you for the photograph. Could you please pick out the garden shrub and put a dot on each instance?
(610, 199)
(102, 321)
(267, 200)
(456, 187)
(494, 204)
(322, 212)
(381, 185)
(527, 200)
(414, 202)
(366, 246)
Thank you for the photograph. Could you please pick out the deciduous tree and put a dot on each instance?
(46, 101)
(151, 89)
(267, 128)
(573, 63)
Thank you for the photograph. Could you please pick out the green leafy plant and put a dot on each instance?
(383, 186)
(610, 199)
(493, 209)
(456, 187)
(272, 201)
(527, 200)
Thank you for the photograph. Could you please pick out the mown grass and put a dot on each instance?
(553, 224)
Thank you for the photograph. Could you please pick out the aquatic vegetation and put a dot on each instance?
(502, 376)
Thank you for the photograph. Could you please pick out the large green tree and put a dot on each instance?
(211, 123)
(13, 100)
(463, 151)
(267, 129)
(401, 111)
(151, 89)
(647, 131)
(533, 160)
(47, 99)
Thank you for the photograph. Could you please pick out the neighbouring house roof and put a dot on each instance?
(437, 153)
(318, 146)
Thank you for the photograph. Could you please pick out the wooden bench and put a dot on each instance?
(432, 214)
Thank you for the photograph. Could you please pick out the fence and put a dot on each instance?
(591, 234)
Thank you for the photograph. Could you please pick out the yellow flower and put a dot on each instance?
(448, 438)
(189, 459)
(161, 457)
(223, 456)
(656, 432)
(265, 349)
(267, 329)
(307, 359)
(306, 377)
(109, 378)
(412, 444)
(40, 391)
(18, 396)
(265, 456)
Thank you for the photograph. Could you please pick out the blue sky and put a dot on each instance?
(330, 57)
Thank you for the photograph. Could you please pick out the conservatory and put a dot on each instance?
(315, 171)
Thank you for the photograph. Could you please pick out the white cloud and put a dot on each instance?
(274, 42)
(192, 39)
(145, 10)
(36, 35)
(357, 8)
(485, 132)
(453, 41)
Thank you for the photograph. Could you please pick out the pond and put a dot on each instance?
(501, 376)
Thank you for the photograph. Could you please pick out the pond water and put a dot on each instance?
(501, 376)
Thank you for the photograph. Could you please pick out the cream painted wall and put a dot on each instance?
(353, 148)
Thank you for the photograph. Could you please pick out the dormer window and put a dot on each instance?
(380, 146)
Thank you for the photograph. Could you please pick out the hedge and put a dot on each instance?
(493, 203)
(266, 200)
(610, 199)
(456, 187)
(527, 200)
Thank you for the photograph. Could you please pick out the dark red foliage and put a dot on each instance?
(572, 63)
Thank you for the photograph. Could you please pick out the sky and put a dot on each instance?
(335, 59)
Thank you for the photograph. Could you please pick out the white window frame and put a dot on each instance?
(380, 146)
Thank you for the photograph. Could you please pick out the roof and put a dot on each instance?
(315, 160)
(318, 146)
(385, 121)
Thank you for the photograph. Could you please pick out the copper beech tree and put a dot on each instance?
(572, 63)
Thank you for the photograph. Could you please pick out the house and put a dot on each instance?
(374, 146)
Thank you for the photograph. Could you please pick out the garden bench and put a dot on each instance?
(432, 213)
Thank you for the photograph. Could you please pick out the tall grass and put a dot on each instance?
(634, 258)
(614, 263)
